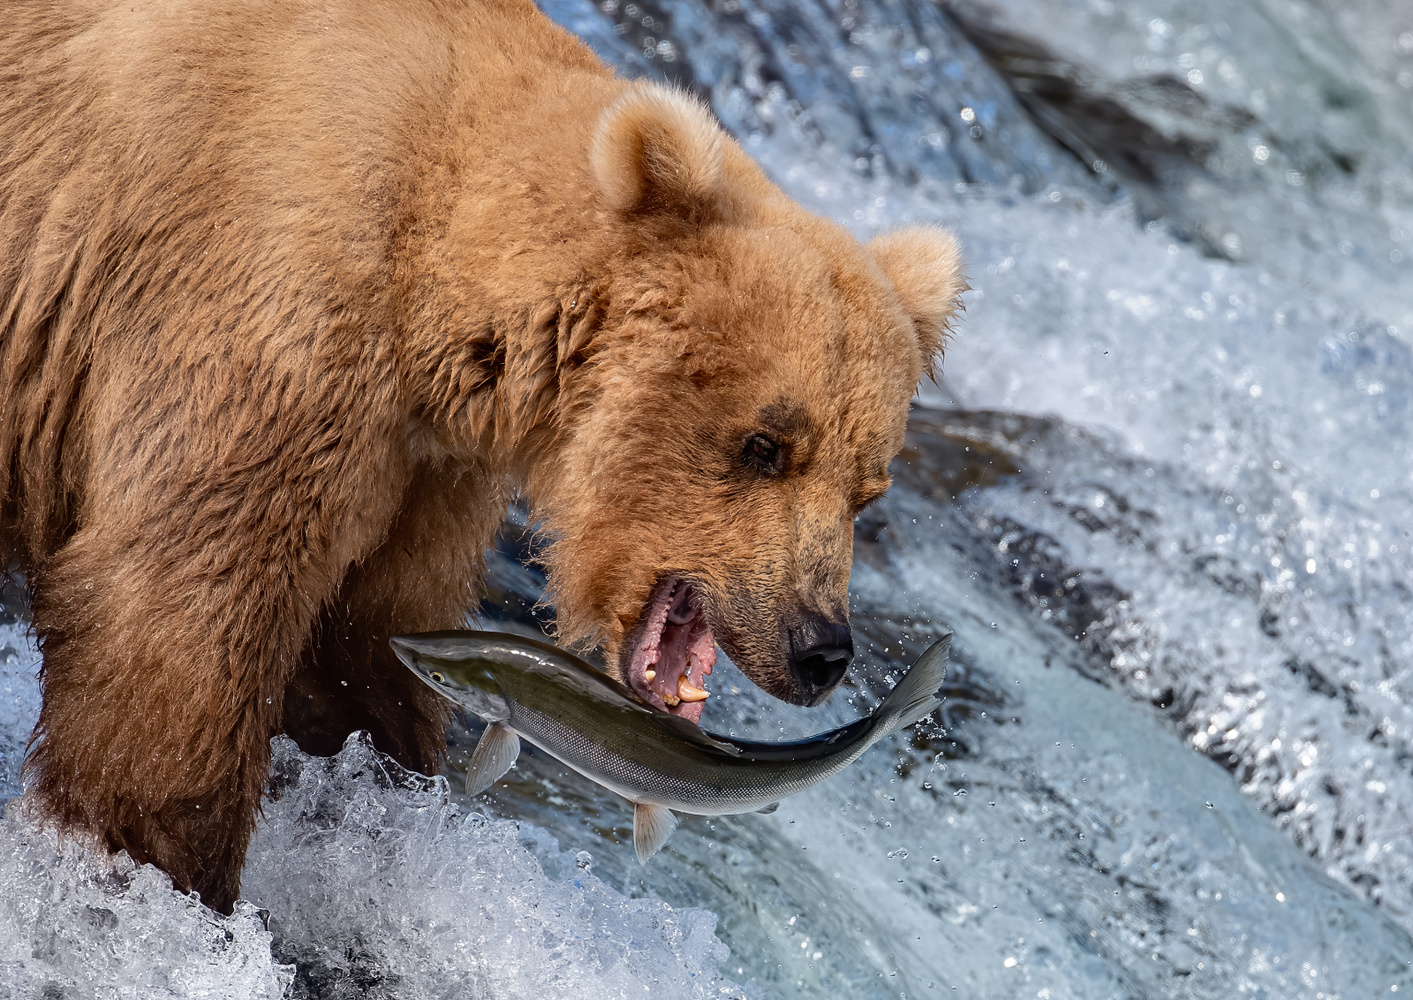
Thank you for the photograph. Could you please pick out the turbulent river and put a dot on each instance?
(1163, 493)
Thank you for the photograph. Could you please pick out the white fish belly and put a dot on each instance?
(639, 783)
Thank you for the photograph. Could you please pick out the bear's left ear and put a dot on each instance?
(925, 268)
(657, 149)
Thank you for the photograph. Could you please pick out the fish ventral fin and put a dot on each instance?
(767, 810)
(652, 825)
(494, 755)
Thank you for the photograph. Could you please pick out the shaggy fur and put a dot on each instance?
(294, 297)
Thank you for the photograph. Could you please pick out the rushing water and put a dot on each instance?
(1163, 494)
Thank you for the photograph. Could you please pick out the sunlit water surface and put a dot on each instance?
(1163, 495)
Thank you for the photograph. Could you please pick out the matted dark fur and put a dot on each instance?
(293, 298)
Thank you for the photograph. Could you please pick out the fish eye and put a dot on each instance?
(438, 677)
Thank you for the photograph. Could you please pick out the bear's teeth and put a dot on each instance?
(649, 674)
(687, 692)
(670, 699)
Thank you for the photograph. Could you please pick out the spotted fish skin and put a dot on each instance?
(595, 725)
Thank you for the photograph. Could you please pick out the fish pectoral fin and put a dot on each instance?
(493, 756)
(767, 810)
(652, 825)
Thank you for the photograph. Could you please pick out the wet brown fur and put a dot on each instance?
(293, 299)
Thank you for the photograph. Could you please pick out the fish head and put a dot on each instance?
(735, 421)
(456, 670)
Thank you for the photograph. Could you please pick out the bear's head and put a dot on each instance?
(744, 391)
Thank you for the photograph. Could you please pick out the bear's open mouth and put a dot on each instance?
(672, 652)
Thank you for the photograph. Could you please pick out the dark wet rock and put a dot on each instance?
(890, 87)
(14, 597)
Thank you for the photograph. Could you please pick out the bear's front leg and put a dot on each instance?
(420, 578)
(172, 621)
(162, 678)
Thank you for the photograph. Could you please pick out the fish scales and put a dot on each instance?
(641, 784)
(659, 762)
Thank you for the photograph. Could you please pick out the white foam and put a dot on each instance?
(370, 871)
(75, 922)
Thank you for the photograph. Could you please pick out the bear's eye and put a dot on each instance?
(764, 455)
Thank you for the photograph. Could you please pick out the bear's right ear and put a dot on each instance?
(657, 150)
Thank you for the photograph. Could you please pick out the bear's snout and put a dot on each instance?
(820, 651)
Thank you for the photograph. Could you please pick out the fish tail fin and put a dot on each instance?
(917, 693)
(652, 825)
(495, 754)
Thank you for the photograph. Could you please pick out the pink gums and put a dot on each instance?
(675, 642)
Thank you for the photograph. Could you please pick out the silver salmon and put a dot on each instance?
(659, 762)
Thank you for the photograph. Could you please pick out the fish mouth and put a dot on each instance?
(672, 651)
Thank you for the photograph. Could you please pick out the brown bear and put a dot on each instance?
(295, 297)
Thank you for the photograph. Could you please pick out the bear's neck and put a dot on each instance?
(506, 261)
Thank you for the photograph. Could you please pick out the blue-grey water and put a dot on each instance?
(1163, 493)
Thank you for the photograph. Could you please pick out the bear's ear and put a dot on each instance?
(657, 150)
(925, 268)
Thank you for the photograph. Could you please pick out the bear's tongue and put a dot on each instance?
(676, 653)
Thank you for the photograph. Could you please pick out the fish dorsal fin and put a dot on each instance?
(652, 825)
(494, 755)
(690, 732)
(767, 810)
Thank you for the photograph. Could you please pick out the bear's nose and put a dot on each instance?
(820, 651)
